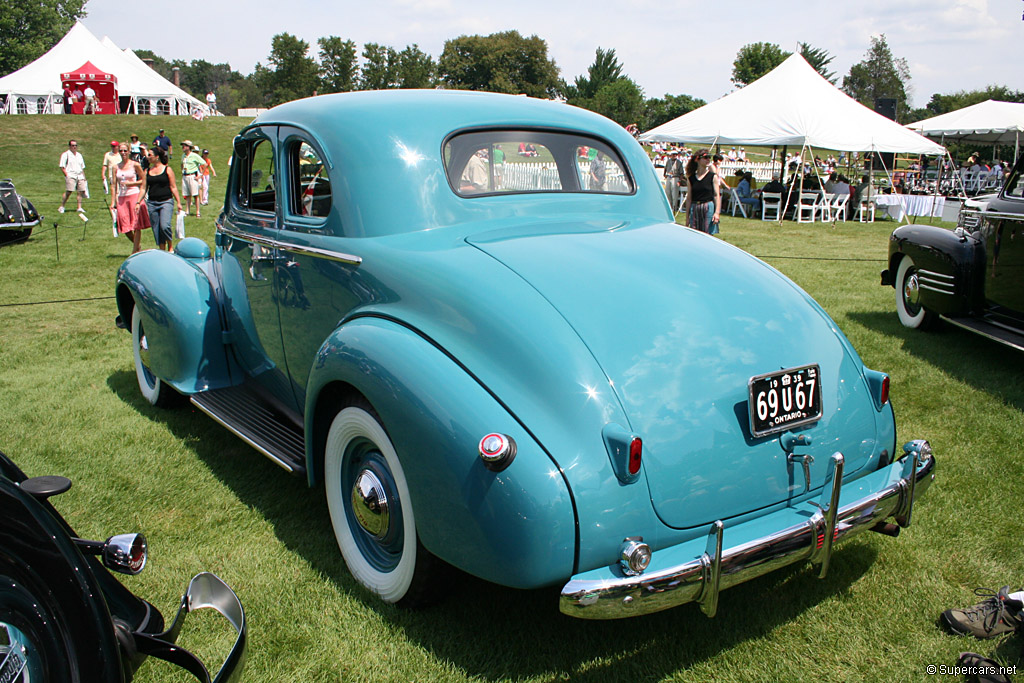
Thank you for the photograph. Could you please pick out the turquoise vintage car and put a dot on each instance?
(472, 319)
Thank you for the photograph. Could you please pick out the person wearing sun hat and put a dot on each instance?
(110, 161)
(191, 164)
(135, 148)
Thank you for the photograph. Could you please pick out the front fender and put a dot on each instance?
(516, 527)
(950, 260)
(177, 300)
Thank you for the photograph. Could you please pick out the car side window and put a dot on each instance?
(258, 188)
(1015, 185)
(310, 189)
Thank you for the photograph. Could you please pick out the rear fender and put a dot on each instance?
(177, 299)
(516, 527)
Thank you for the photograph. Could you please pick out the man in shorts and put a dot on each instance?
(72, 164)
(191, 163)
(110, 161)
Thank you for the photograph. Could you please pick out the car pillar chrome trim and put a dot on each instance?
(830, 512)
(711, 570)
(341, 257)
(701, 578)
(370, 504)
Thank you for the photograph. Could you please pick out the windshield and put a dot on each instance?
(519, 161)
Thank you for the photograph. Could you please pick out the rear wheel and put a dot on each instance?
(371, 509)
(908, 297)
(33, 646)
(154, 390)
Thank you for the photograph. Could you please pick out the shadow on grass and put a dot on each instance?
(977, 361)
(497, 633)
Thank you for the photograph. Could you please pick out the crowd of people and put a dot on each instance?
(142, 186)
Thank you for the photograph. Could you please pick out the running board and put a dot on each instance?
(993, 331)
(256, 422)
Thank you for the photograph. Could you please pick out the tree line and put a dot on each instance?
(505, 62)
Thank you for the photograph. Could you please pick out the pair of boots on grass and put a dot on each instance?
(1001, 612)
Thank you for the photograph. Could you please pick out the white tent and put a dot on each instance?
(792, 105)
(991, 121)
(36, 88)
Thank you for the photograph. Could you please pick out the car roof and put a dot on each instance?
(387, 146)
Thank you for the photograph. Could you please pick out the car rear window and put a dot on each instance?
(492, 162)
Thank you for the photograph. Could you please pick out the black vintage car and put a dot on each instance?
(972, 276)
(17, 215)
(63, 615)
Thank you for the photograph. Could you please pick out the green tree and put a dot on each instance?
(337, 64)
(380, 70)
(942, 104)
(294, 74)
(622, 101)
(501, 62)
(880, 75)
(605, 70)
(28, 28)
(416, 69)
(819, 59)
(657, 111)
(755, 60)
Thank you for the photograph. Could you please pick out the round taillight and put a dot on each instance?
(497, 451)
(636, 447)
(125, 553)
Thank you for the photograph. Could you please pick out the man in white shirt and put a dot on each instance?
(110, 161)
(72, 164)
(211, 101)
(90, 100)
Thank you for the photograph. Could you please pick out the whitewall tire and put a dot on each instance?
(370, 506)
(153, 390)
(908, 292)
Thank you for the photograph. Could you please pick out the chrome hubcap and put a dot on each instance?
(911, 290)
(370, 504)
(13, 654)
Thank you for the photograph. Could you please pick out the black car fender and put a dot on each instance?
(948, 262)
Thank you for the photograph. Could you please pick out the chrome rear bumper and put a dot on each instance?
(698, 577)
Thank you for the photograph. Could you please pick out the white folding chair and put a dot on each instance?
(865, 211)
(825, 206)
(808, 207)
(771, 206)
(838, 208)
(735, 203)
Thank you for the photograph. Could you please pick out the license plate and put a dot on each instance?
(784, 399)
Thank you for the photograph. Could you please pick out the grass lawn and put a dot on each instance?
(70, 405)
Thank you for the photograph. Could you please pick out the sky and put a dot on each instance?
(675, 47)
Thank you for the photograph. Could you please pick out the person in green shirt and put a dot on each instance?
(191, 163)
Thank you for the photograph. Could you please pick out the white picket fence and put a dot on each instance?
(525, 177)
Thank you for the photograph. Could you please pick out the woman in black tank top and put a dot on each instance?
(703, 202)
(159, 189)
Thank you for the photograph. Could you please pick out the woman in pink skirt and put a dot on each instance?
(132, 217)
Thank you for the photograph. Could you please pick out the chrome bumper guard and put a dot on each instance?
(607, 594)
(205, 590)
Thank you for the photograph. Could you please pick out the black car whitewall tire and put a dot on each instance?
(908, 288)
(153, 390)
(383, 556)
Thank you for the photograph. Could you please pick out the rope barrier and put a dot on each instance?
(60, 301)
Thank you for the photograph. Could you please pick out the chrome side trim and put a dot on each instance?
(936, 282)
(291, 247)
(231, 428)
(622, 596)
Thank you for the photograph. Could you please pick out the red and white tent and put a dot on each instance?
(103, 84)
